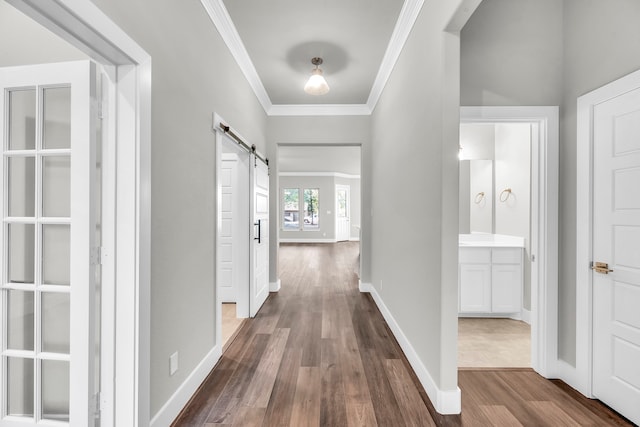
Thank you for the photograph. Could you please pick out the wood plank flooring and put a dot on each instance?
(319, 353)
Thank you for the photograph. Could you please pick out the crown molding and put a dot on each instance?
(222, 21)
(319, 110)
(334, 174)
(404, 25)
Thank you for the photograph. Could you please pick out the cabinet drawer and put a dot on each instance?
(474, 255)
(506, 255)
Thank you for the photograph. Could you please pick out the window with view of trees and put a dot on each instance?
(311, 209)
(293, 210)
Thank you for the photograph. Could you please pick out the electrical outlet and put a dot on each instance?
(173, 363)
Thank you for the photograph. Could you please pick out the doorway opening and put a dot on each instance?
(233, 246)
(242, 232)
(508, 240)
(319, 195)
(124, 229)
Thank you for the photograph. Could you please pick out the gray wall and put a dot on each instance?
(532, 52)
(24, 42)
(193, 76)
(322, 130)
(415, 199)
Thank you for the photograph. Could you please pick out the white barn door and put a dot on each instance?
(616, 245)
(259, 281)
(48, 189)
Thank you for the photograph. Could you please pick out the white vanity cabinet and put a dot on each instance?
(490, 280)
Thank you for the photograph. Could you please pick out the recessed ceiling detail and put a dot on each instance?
(359, 42)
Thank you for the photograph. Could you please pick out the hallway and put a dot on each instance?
(320, 353)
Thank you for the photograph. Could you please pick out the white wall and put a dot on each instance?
(193, 75)
(481, 207)
(549, 52)
(513, 170)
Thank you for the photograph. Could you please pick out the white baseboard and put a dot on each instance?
(171, 409)
(569, 375)
(275, 286)
(307, 240)
(526, 316)
(364, 287)
(445, 402)
(354, 239)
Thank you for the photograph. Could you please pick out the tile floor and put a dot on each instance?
(230, 323)
(493, 343)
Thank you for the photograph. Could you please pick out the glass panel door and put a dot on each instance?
(45, 233)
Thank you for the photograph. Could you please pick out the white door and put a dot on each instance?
(616, 242)
(343, 207)
(48, 174)
(259, 281)
(228, 177)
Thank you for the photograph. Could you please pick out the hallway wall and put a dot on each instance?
(415, 202)
(193, 76)
(549, 52)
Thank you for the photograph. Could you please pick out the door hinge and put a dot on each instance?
(96, 256)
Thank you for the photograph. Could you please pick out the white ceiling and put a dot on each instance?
(340, 159)
(274, 41)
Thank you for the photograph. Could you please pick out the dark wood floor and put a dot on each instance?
(319, 353)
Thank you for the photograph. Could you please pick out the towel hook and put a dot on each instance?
(504, 196)
(479, 198)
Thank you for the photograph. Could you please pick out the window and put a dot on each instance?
(311, 220)
(291, 209)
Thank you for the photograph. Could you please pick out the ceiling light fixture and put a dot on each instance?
(316, 85)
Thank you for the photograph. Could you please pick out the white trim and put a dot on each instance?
(106, 43)
(364, 287)
(334, 174)
(354, 239)
(275, 286)
(404, 25)
(544, 231)
(172, 407)
(319, 110)
(302, 240)
(444, 401)
(222, 21)
(525, 316)
(584, 226)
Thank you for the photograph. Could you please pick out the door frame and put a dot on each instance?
(544, 223)
(583, 380)
(127, 400)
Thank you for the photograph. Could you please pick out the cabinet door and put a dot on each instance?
(507, 288)
(475, 288)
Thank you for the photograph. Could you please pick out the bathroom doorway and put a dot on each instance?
(516, 150)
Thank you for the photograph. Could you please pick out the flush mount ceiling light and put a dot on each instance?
(316, 85)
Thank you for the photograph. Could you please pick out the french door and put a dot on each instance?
(48, 233)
